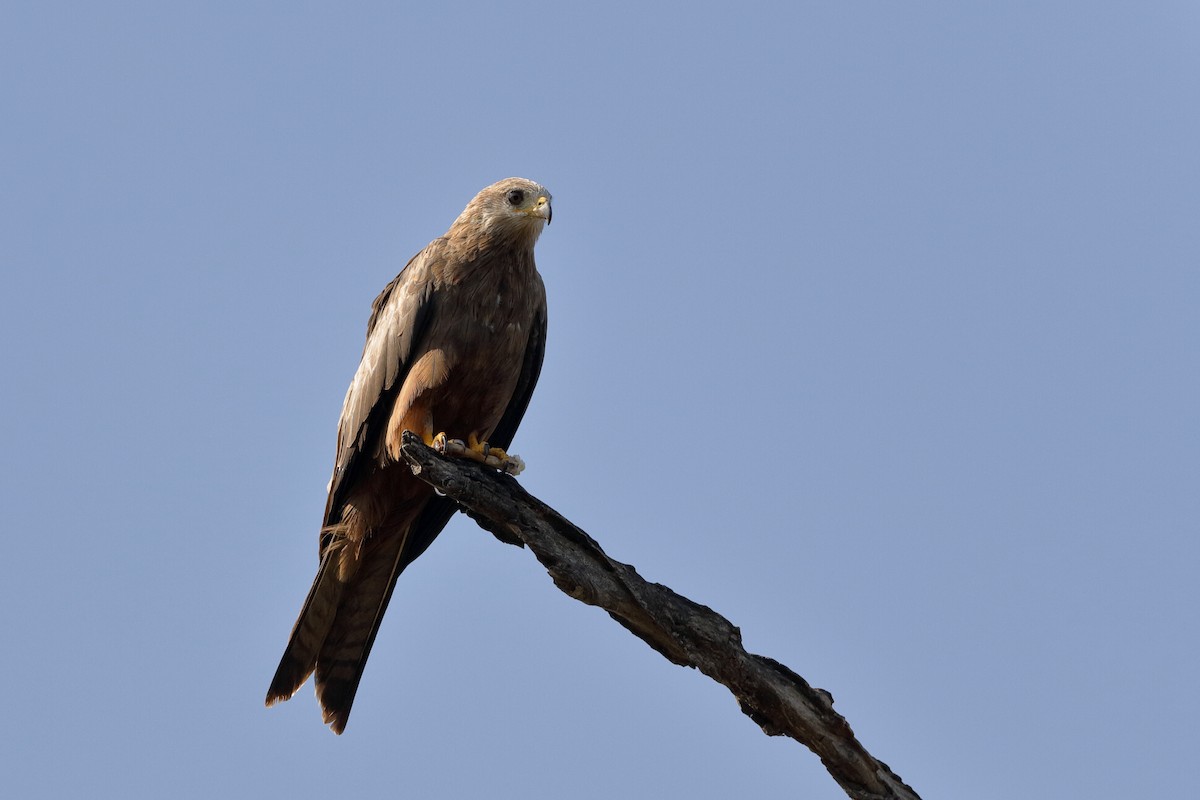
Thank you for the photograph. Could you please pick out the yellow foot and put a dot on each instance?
(481, 452)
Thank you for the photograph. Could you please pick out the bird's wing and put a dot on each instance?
(399, 318)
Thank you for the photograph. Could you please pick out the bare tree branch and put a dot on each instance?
(686, 633)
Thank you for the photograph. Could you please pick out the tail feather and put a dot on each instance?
(343, 654)
(341, 616)
(312, 627)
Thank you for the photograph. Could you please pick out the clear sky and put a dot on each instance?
(872, 326)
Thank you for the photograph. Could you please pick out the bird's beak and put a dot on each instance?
(542, 209)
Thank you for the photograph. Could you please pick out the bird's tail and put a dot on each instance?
(337, 625)
(314, 623)
(343, 654)
(340, 617)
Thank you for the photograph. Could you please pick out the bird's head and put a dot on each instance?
(514, 208)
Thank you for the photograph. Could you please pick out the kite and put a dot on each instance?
(454, 348)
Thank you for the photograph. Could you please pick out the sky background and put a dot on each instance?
(873, 326)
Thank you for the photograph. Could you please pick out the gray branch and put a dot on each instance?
(686, 633)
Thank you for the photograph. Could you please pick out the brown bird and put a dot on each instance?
(454, 348)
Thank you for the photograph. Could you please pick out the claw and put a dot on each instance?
(480, 452)
(455, 448)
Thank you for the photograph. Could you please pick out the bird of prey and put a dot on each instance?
(454, 348)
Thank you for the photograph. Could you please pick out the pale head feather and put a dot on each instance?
(512, 210)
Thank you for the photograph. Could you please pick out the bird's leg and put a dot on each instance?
(481, 452)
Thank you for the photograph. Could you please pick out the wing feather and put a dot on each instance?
(399, 319)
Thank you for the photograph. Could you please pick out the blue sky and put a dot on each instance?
(872, 326)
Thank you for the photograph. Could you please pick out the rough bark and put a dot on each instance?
(689, 634)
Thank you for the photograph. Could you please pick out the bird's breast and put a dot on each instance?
(484, 338)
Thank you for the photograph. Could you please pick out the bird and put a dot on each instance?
(454, 348)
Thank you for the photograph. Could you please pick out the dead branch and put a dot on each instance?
(687, 633)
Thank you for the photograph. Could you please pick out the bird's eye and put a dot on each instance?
(515, 197)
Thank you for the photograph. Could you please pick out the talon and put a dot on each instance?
(480, 452)
(450, 447)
